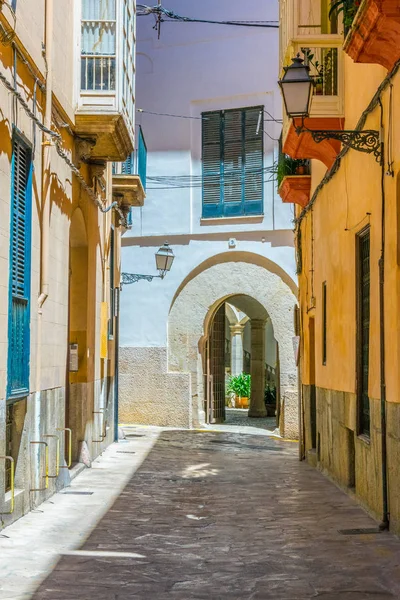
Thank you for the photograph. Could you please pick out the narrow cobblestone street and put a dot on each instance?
(219, 515)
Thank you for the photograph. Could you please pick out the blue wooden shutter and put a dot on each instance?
(212, 164)
(253, 159)
(233, 158)
(233, 163)
(127, 166)
(20, 269)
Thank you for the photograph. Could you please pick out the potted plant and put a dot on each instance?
(319, 70)
(240, 386)
(348, 8)
(270, 400)
(286, 166)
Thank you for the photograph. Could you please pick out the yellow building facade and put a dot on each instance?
(347, 238)
(66, 114)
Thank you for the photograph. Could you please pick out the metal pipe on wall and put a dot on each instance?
(385, 502)
(45, 228)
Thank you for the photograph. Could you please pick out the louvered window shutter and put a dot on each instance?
(232, 155)
(19, 340)
(212, 163)
(253, 192)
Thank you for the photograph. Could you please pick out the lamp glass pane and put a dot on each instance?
(297, 96)
(164, 258)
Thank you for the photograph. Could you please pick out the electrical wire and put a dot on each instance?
(361, 122)
(56, 137)
(158, 114)
(149, 112)
(161, 12)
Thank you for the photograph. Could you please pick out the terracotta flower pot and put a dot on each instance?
(241, 402)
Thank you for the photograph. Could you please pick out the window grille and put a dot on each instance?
(20, 259)
(363, 322)
(98, 45)
(233, 157)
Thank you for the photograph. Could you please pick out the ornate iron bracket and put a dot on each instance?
(368, 141)
(127, 278)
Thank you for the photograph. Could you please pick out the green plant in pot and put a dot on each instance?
(286, 166)
(240, 386)
(270, 400)
(348, 8)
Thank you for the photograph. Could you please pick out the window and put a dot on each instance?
(363, 317)
(98, 45)
(324, 323)
(232, 156)
(128, 54)
(20, 269)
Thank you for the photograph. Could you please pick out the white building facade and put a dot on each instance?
(209, 110)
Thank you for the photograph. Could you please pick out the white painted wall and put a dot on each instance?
(191, 69)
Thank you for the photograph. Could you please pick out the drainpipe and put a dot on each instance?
(45, 229)
(46, 179)
(385, 503)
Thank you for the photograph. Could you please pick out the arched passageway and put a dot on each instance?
(252, 288)
(238, 344)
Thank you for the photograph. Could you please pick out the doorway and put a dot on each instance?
(240, 349)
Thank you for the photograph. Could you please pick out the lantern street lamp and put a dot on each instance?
(297, 90)
(164, 259)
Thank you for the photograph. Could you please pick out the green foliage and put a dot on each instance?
(348, 8)
(285, 166)
(240, 385)
(270, 395)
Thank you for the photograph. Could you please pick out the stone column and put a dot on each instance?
(257, 404)
(236, 348)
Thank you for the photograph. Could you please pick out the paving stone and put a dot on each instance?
(227, 515)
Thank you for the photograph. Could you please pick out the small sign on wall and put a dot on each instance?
(73, 357)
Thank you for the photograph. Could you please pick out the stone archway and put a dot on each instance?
(194, 305)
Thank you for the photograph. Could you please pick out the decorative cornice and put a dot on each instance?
(303, 145)
(375, 33)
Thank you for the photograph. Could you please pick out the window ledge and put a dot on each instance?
(232, 220)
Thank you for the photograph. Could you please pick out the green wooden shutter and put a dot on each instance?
(212, 164)
(20, 269)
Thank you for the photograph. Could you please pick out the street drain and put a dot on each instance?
(125, 452)
(78, 493)
(361, 531)
(128, 435)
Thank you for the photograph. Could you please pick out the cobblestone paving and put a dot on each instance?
(218, 516)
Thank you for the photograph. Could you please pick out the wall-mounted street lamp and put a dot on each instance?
(297, 91)
(164, 259)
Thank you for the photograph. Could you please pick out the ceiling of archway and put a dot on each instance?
(248, 305)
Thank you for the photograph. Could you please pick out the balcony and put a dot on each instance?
(307, 28)
(294, 180)
(374, 36)
(326, 65)
(129, 178)
(105, 105)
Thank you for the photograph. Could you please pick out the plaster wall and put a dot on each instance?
(49, 333)
(349, 202)
(187, 326)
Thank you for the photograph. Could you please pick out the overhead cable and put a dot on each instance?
(161, 12)
(56, 138)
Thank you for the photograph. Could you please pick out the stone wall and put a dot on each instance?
(353, 461)
(40, 415)
(148, 393)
